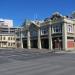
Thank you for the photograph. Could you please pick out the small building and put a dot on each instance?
(9, 35)
(7, 41)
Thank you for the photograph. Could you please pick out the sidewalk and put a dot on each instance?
(38, 50)
(35, 50)
(69, 51)
(49, 51)
(44, 50)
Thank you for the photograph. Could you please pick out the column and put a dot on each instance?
(64, 36)
(50, 38)
(39, 39)
(21, 38)
(74, 36)
(28, 40)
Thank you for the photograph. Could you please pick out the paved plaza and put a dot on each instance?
(25, 62)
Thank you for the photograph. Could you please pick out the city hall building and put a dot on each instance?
(54, 33)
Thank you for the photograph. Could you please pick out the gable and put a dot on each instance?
(56, 16)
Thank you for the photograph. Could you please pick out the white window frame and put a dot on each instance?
(70, 28)
(55, 28)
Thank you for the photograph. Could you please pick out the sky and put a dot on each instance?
(19, 10)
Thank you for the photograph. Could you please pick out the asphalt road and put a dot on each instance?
(13, 62)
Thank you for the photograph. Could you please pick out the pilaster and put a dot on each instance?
(64, 36)
(50, 38)
(28, 40)
(39, 39)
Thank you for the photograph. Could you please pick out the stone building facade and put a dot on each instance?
(56, 32)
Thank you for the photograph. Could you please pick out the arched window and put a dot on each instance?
(70, 28)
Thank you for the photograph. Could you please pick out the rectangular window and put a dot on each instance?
(44, 31)
(8, 44)
(0, 38)
(8, 38)
(3, 38)
(4, 43)
(57, 29)
(11, 44)
(13, 38)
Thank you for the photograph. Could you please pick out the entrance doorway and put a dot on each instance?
(44, 43)
(24, 43)
(34, 44)
(57, 43)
